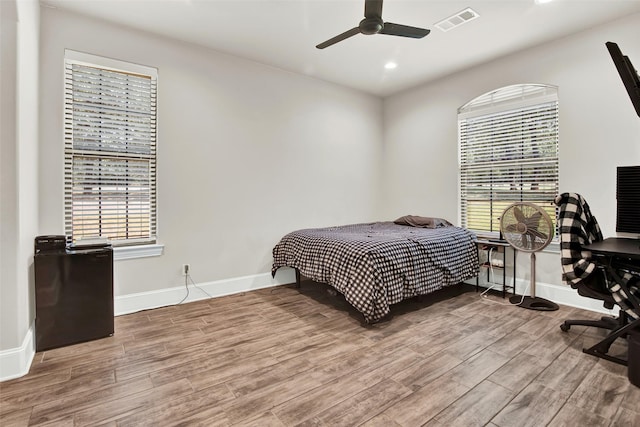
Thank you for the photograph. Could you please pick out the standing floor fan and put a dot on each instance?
(528, 228)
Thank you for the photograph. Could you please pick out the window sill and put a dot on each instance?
(141, 251)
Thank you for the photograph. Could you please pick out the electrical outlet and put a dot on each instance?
(185, 269)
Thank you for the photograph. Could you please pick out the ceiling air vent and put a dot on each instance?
(457, 19)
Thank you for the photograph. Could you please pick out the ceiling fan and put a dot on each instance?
(373, 24)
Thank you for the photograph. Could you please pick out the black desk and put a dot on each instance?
(616, 247)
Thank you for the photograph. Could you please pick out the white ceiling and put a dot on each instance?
(284, 33)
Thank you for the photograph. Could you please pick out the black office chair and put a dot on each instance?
(612, 284)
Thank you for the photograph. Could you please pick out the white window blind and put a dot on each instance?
(508, 151)
(110, 150)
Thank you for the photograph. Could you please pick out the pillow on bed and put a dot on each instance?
(422, 221)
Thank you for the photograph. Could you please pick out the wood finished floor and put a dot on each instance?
(284, 356)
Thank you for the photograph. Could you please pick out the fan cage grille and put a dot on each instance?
(527, 227)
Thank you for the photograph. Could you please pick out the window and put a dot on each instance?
(508, 148)
(110, 150)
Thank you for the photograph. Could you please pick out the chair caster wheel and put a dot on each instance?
(565, 327)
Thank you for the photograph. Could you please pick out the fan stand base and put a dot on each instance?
(534, 303)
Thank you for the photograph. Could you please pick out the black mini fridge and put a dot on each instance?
(74, 293)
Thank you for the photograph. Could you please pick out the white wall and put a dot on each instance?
(19, 185)
(8, 180)
(246, 153)
(599, 128)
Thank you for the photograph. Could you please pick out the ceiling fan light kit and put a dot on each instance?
(528, 228)
(373, 24)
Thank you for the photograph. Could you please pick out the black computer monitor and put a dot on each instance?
(628, 74)
(628, 199)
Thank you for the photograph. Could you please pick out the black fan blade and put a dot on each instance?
(512, 228)
(518, 214)
(534, 220)
(403, 30)
(373, 9)
(339, 38)
(537, 234)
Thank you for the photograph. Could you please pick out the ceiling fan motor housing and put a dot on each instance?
(370, 26)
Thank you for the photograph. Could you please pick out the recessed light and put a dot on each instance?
(543, 1)
(390, 65)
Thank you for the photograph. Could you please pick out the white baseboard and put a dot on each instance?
(560, 294)
(15, 362)
(132, 303)
(566, 295)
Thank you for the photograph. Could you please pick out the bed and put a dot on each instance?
(375, 265)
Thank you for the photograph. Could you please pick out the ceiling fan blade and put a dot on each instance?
(373, 9)
(339, 38)
(403, 30)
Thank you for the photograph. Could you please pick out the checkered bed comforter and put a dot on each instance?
(378, 264)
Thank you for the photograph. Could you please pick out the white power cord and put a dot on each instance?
(187, 278)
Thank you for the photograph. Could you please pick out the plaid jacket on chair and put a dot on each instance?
(577, 227)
